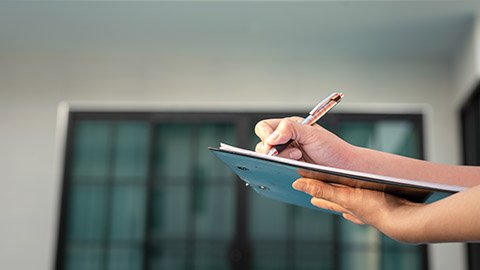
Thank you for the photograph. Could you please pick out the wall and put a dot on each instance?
(32, 85)
(466, 64)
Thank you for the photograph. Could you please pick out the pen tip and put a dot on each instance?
(273, 152)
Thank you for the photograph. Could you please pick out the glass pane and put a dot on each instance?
(209, 167)
(174, 152)
(357, 133)
(397, 137)
(125, 258)
(267, 218)
(211, 255)
(170, 255)
(83, 257)
(214, 212)
(400, 256)
(91, 151)
(170, 211)
(360, 246)
(313, 225)
(402, 260)
(269, 255)
(360, 258)
(131, 151)
(128, 212)
(358, 235)
(314, 256)
(87, 212)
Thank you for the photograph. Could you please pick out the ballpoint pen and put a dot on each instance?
(316, 113)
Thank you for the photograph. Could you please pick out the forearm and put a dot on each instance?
(452, 219)
(377, 162)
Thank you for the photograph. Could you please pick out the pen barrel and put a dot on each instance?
(281, 147)
(312, 119)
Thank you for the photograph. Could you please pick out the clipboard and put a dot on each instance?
(272, 177)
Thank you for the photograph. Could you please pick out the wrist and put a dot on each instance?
(355, 158)
(410, 227)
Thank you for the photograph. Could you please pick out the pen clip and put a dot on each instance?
(333, 97)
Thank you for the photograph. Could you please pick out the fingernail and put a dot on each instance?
(299, 185)
(273, 136)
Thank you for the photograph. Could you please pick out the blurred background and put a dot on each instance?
(107, 108)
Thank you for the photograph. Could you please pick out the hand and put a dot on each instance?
(313, 144)
(398, 218)
(394, 216)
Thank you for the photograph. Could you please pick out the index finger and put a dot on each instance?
(266, 127)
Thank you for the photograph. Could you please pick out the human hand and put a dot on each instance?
(312, 144)
(398, 218)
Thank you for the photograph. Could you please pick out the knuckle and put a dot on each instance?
(284, 123)
(356, 194)
(315, 190)
(346, 195)
(296, 119)
(286, 126)
(350, 198)
(330, 193)
(259, 127)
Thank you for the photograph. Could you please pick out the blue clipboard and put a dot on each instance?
(272, 177)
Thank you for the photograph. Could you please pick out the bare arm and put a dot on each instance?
(377, 162)
(455, 218)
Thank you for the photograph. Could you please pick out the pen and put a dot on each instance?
(316, 113)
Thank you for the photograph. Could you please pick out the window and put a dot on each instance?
(470, 120)
(140, 191)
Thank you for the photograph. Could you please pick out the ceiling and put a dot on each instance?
(430, 29)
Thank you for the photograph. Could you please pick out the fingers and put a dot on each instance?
(344, 196)
(290, 152)
(262, 147)
(265, 128)
(327, 205)
(287, 129)
(353, 219)
(277, 131)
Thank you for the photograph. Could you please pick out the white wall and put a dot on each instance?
(466, 64)
(31, 86)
